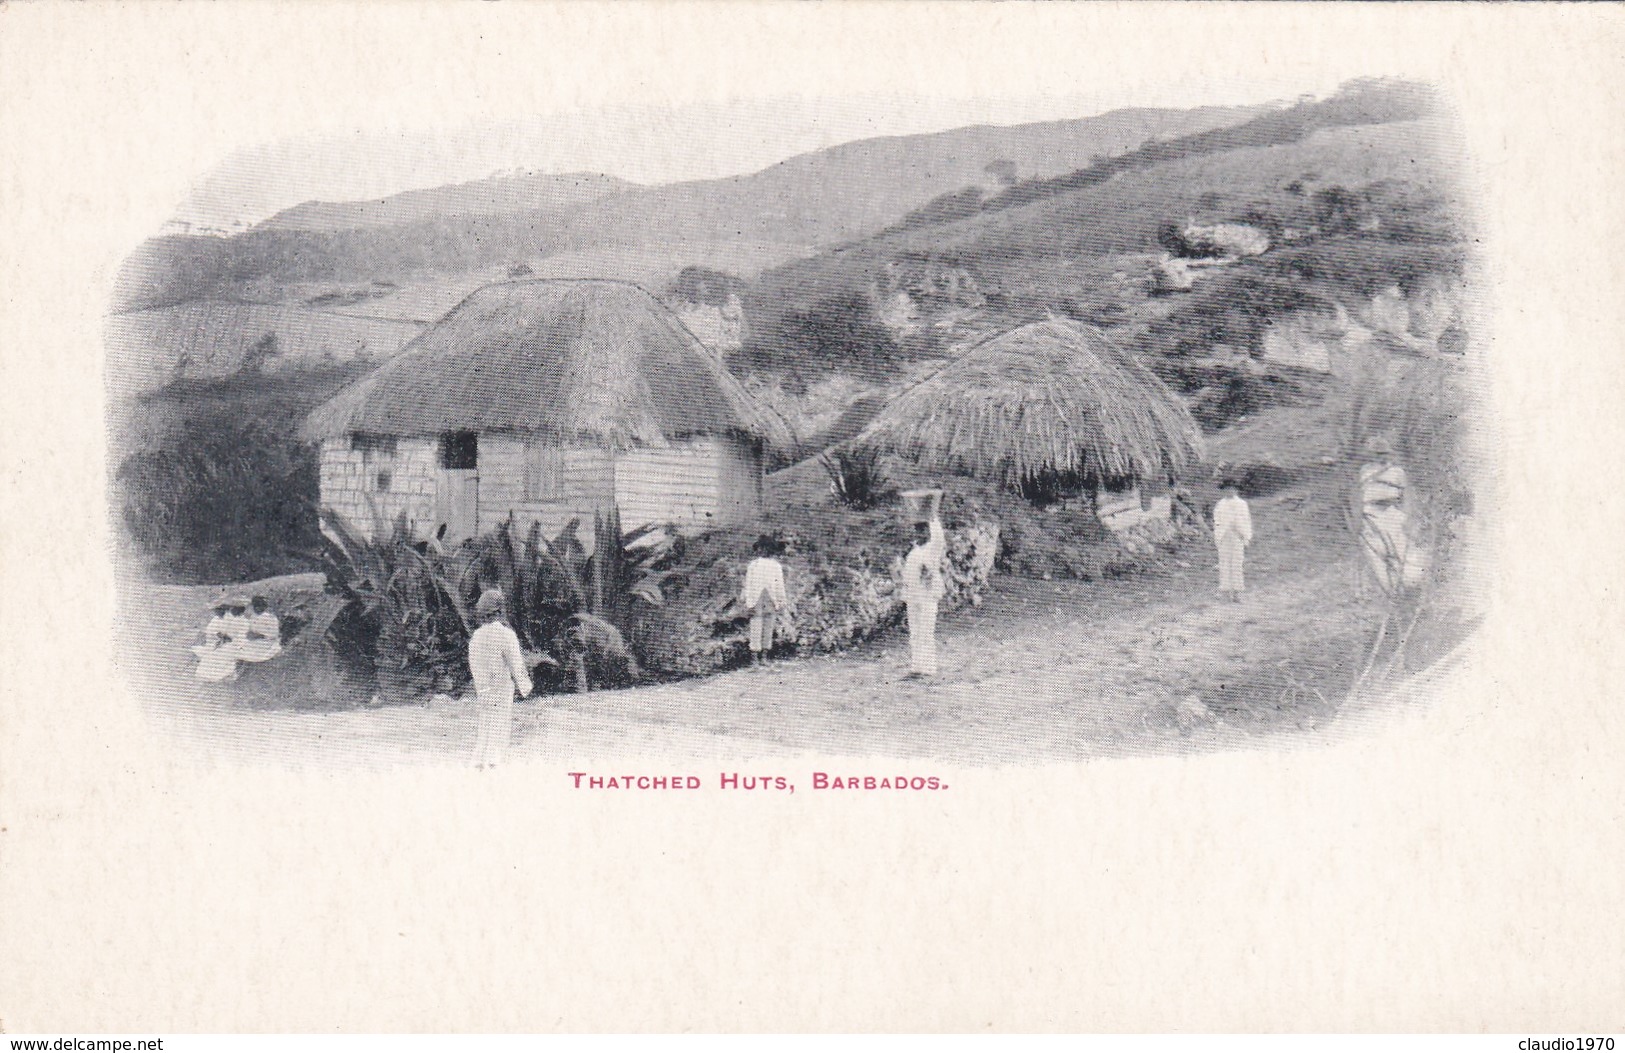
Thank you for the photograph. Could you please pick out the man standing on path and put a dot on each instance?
(1232, 533)
(923, 587)
(498, 668)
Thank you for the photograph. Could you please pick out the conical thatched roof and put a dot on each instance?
(1054, 396)
(596, 361)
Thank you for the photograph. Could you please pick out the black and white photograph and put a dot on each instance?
(1134, 432)
(762, 517)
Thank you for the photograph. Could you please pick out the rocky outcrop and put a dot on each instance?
(1428, 320)
(719, 327)
(1225, 241)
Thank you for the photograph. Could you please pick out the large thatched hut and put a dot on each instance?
(545, 401)
(1050, 407)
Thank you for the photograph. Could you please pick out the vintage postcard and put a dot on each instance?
(753, 517)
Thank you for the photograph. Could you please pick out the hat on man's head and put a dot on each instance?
(491, 601)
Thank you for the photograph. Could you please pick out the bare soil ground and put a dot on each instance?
(1041, 672)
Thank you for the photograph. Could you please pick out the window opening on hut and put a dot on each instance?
(460, 450)
(377, 459)
(544, 470)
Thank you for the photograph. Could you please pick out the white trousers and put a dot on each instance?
(922, 636)
(493, 726)
(1231, 551)
(761, 628)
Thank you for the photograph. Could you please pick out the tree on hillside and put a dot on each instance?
(1338, 210)
(258, 356)
(1004, 170)
(842, 331)
(229, 500)
(704, 285)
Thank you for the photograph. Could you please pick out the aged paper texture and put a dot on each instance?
(1445, 854)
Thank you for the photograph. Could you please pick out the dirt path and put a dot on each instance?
(1040, 672)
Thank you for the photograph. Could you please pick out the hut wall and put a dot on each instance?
(350, 483)
(696, 484)
(740, 480)
(680, 484)
(585, 484)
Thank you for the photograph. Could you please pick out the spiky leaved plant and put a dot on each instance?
(408, 617)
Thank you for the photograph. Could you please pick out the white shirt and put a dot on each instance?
(765, 575)
(218, 626)
(1231, 516)
(269, 645)
(497, 664)
(922, 568)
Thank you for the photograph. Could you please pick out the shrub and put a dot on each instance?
(406, 610)
(857, 477)
(409, 605)
(840, 332)
(840, 572)
(225, 501)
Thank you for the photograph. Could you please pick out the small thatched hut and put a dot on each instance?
(1051, 406)
(545, 401)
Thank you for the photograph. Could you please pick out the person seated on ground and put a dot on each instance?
(263, 640)
(223, 639)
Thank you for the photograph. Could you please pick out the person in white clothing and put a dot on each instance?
(263, 640)
(923, 587)
(764, 596)
(222, 644)
(1385, 529)
(1232, 533)
(498, 669)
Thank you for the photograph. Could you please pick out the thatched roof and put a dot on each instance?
(595, 361)
(1054, 396)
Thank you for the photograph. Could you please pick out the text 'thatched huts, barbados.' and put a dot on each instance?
(545, 401)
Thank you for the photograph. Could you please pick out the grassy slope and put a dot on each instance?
(815, 199)
(1042, 252)
(494, 195)
(206, 339)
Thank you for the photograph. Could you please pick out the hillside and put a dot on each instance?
(496, 195)
(216, 339)
(790, 209)
(835, 279)
(1351, 199)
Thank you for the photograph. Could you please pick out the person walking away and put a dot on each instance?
(1232, 533)
(764, 596)
(498, 669)
(923, 588)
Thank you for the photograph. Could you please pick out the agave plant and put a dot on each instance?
(409, 619)
(857, 477)
(568, 608)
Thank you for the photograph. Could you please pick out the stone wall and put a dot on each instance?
(350, 481)
(696, 484)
